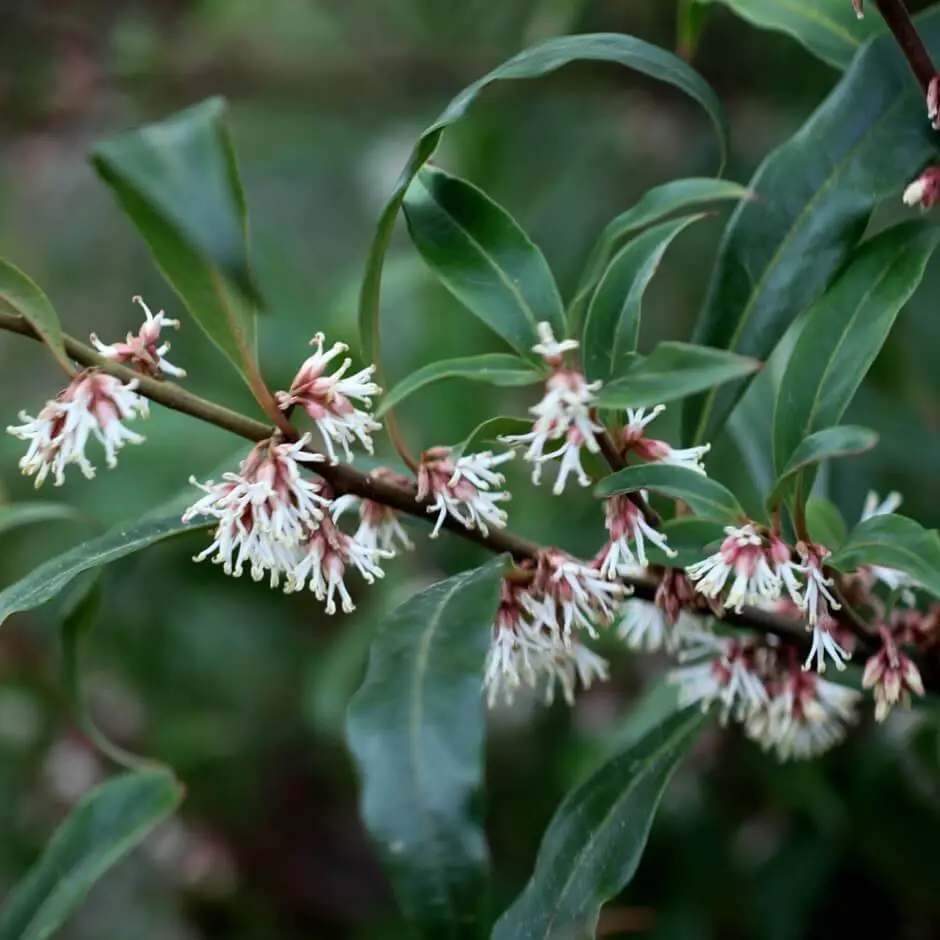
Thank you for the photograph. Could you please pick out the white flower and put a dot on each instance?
(646, 626)
(379, 525)
(825, 644)
(466, 488)
(323, 561)
(744, 555)
(566, 666)
(893, 579)
(328, 399)
(625, 524)
(264, 511)
(731, 677)
(651, 450)
(915, 192)
(563, 415)
(552, 350)
(569, 595)
(93, 404)
(894, 677)
(142, 351)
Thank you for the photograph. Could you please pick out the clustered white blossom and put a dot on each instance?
(143, 350)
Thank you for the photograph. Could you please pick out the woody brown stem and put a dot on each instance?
(898, 20)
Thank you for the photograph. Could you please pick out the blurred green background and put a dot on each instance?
(243, 690)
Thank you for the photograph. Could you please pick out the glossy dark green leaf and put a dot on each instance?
(540, 60)
(104, 827)
(655, 205)
(690, 538)
(892, 541)
(20, 514)
(843, 441)
(415, 729)
(814, 195)
(46, 581)
(178, 182)
(488, 433)
(825, 523)
(595, 841)
(829, 29)
(492, 368)
(706, 498)
(844, 331)
(22, 296)
(480, 254)
(612, 324)
(672, 371)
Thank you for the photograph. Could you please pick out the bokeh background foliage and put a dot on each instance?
(243, 691)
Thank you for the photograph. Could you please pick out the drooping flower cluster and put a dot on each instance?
(892, 675)
(143, 351)
(466, 488)
(328, 399)
(94, 405)
(379, 525)
(628, 533)
(651, 450)
(564, 425)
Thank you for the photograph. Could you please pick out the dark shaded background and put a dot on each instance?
(243, 690)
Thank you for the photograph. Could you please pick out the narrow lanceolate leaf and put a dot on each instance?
(829, 29)
(844, 441)
(844, 331)
(704, 496)
(673, 371)
(595, 841)
(20, 514)
(483, 257)
(178, 182)
(612, 325)
(487, 435)
(531, 63)
(492, 368)
(814, 197)
(892, 541)
(112, 820)
(415, 729)
(653, 207)
(46, 581)
(22, 296)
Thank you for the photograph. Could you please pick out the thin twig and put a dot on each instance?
(899, 22)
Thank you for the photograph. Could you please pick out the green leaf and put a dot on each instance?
(595, 841)
(843, 441)
(415, 729)
(814, 195)
(491, 368)
(705, 497)
(688, 537)
(178, 182)
(672, 371)
(829, 29)
(20, 514)
(489, 433)
(612, 325)
(690, 23)
(892, 541)
(825, 523)
(654, 206)
(844, 331)
(110, 821)
(540, 60)
(46, 581)
(483, 258)
(23, 296)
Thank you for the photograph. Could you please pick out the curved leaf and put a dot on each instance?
(814, 197)
(532, 63)
(20, 514)
(653, 206)
(46, 581)
(612, 325)
(177, 181)
(415, 729)
(825, 523)
(689, 537)
(492, 368)
(104, 827)
(829, 29)
(491, 432)
(672, 371)
(25, 298)
(844, 331)
(483, 258)
(844, 441)
(595, 841)
(891, 541)
(705, 497)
